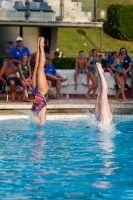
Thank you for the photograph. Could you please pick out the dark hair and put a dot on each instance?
(47, 59)
(81, 51)
(10, 58)
(113, 53)
(56, 53)
(121, 50)
(93, 50)
(122, 53)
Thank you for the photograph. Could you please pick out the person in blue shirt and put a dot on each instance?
(100, 57)
(19, 50)
(53, 76)
(111, 61)
(127, 66)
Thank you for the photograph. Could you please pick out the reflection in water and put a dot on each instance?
(37, 152)
(106, 146)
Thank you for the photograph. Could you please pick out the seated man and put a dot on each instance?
(54, 77)
(80, 66)
(10, 76)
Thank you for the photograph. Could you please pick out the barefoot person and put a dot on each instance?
(54, 77)
(10, 77)
(40, 85)
(25, 76)
(92, 75)
(118, 69)
(80, 66)
(102, 109)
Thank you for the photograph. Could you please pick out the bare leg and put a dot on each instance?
(33, 82)
(125, 78)
(12, 89)
(98, 106)
(106, 115)
(25, 90)
(93, 87)
(58, 86)
(41, 78)
(75, 78)
(120, 81)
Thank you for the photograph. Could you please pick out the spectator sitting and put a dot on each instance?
(127, 66)
(80, 66)
(18, 51)
(10, 76)
(110, 63)
(25, 76)
(54, 77)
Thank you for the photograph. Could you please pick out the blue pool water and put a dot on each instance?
(65, 160)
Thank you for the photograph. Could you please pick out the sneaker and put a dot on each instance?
(126, 87)
(117, 87)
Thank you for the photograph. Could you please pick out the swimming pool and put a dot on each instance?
(65, 160)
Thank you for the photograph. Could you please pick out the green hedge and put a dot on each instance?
(120, 20)
(58, 63)
(64, 63)
(68, 63)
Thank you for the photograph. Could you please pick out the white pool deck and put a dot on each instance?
(66, 109)
(63, 104)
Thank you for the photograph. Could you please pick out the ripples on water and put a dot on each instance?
(66, 160)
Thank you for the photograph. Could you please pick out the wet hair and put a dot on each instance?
(123, 48)
(93, 50)
(81, 51)
(113, 53)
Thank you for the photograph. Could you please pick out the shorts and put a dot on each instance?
(15, 79)
(26, 75)
(81, 70)
(53, 82)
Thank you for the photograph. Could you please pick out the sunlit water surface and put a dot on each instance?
(66, 160)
